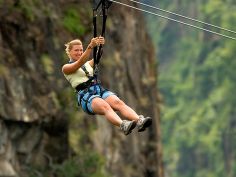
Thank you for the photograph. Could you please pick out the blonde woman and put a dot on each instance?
(92, 97)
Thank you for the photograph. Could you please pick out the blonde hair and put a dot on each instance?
(69, 45)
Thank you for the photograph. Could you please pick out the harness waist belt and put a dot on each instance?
(86, 84)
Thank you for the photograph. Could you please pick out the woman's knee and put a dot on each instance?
(100, 106)
(117, 104)
(106, 107)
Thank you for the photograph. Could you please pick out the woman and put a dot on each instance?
(92, 97)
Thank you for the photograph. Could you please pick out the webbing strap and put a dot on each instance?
(94, 35)
(86, 71)
(100, 51)
(97, 51)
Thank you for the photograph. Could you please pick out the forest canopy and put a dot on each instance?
(197, 83)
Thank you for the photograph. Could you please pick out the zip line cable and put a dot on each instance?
(182, 16)
(171, 19)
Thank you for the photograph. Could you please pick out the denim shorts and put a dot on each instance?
(86, 96)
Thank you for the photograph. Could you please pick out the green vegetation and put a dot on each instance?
(72, 22)
(45, 41)
(47, 63)
(28, 8)
(197, 80)
(86, 164)
(3, 70)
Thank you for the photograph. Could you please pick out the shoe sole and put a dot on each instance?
(146, 124)
(131, 127)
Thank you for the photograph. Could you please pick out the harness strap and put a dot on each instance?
(86, 103)
(104, 15)
(94, 35)
(90, 94)
(86, 71)
(98, 51)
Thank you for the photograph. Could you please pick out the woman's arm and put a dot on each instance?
(91, 62)
(72, 67)
(101, 40)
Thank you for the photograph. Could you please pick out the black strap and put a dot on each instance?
(100, 51)
(94, 35)
(84, 85)
(97, 51)
(86, 71)
(97, 4)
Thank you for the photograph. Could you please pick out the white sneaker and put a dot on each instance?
(143, 123)
(127, 126)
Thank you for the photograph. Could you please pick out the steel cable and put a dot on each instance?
(171, 19)
(182, 16)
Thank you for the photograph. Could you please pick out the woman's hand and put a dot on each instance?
(101, 40)
(97, 41)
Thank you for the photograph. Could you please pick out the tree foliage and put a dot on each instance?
(197, 80)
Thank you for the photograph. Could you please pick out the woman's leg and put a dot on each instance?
(118, 105)
(99, 106)
(126, 111)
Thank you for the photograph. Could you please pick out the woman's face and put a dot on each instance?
(76, 52)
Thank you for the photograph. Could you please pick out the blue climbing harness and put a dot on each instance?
(89, 90)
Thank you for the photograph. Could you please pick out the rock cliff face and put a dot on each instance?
(35, 108)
